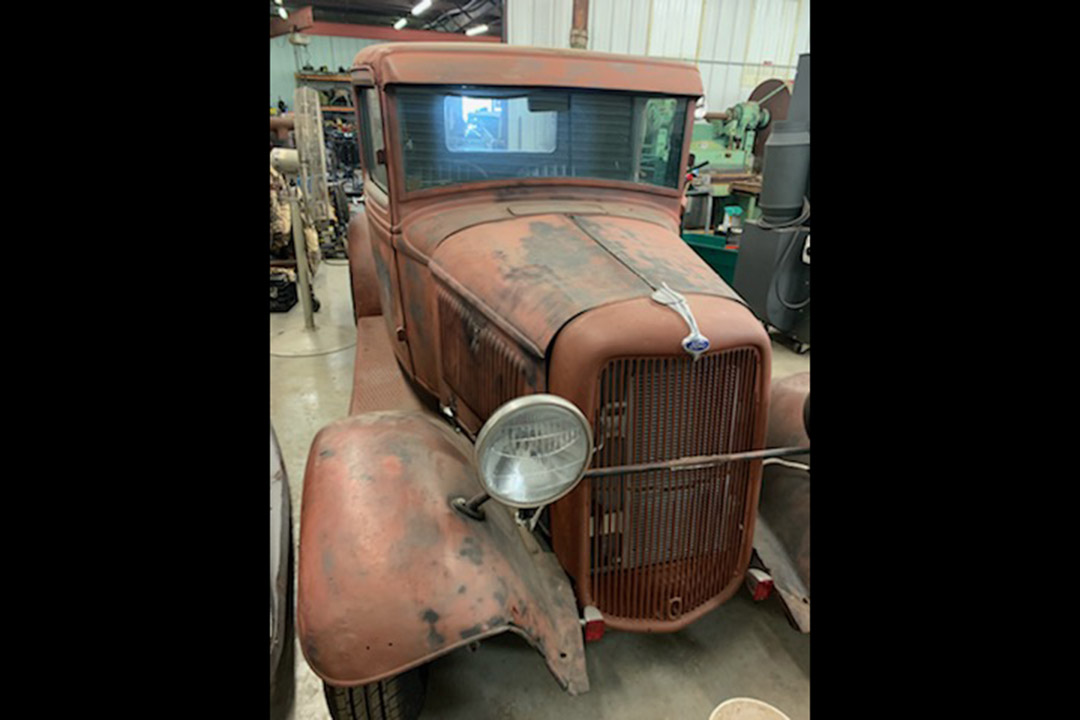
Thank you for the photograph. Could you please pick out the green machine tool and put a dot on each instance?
(726, 140)
(727, 149)
(732, 142)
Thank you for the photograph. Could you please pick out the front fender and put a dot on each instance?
(391, 577)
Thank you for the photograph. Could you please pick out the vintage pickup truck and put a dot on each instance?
(559, 410)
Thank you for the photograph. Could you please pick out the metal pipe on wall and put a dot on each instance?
(579, 31)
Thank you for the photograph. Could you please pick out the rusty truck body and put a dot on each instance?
(523, 301)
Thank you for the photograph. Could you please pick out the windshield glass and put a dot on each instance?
(454, 134)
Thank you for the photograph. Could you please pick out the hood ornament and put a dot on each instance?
(695, 343)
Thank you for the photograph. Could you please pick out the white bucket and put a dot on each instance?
(746, 709)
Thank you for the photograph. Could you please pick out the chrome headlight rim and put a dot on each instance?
(512, 407)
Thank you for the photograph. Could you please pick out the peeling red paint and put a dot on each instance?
(453, 580)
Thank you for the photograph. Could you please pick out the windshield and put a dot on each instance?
(455, 134)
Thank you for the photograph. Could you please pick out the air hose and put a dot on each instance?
(803, 217)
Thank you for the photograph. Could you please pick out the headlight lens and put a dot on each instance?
(533, 450)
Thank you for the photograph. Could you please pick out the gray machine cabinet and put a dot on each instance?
(774, 279)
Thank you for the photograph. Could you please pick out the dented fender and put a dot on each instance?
(391, 577)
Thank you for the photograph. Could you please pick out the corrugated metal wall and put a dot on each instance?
(333, 52)
(735, 43)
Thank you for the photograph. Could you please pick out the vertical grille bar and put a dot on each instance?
(664, 543)
(732, 381)
(714, 412)
(712, 444)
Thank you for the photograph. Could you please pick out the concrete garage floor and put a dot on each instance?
(740, 649)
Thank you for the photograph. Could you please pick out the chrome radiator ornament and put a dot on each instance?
(695, 343)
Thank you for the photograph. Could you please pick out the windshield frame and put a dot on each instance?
(395, 147)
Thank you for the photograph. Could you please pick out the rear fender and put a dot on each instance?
(362, 276)
(782, 536)
(392, 577)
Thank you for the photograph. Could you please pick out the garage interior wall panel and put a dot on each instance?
(542, 23)
(622, 26)
(735, 43)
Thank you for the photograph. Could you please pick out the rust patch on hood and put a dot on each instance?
(424, 230)
(533, 274)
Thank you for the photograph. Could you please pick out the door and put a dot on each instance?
(377, 202)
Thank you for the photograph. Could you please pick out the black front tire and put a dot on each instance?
(398, 698)
(283, 685)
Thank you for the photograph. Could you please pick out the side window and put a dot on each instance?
(372, 134)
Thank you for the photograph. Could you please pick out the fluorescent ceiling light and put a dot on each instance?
(277, 2)
(283, 13)
(400, 23)
(476, 30)
(421, 7)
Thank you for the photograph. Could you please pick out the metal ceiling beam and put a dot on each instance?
(474, 13)
(303, 19)
(297, 20)
(375, 32)
(381, 7)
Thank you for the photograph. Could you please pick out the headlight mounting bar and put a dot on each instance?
(697, 462)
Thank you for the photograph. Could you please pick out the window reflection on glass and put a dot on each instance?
(655, 142)
(477, 124)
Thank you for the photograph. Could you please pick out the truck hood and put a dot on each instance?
(531, 275)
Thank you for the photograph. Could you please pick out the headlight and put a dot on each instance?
(533, 450)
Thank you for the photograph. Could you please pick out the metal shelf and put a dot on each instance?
(323, 77)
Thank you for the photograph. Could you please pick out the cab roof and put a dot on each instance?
(464, 63)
